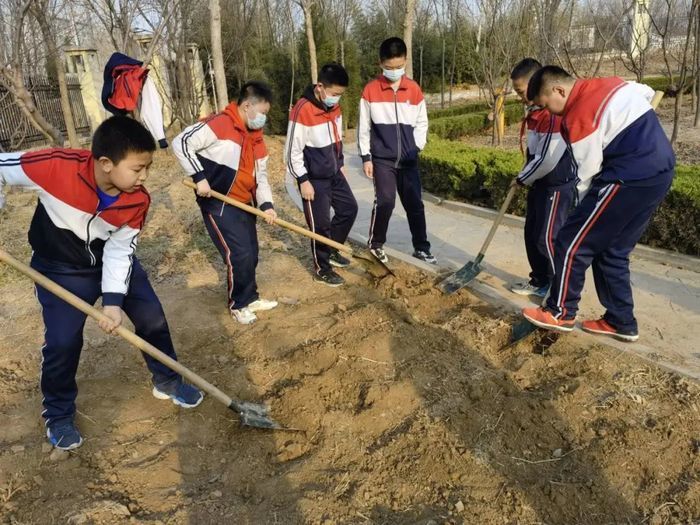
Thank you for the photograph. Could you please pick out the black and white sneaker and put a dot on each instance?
(379, 254)
(329, 278)
(425, 256)
(338, 260)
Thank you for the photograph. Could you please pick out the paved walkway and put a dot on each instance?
(667, 298)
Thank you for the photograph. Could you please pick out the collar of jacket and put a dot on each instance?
(232, 112)
(385, 84)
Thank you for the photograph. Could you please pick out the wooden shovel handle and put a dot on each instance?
(130, 336)
(279, 222)
(499, 218)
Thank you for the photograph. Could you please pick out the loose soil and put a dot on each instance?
(413, 408)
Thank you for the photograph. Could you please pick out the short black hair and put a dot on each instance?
(542, 77)
(120, 135)
(333, 75)
(255, 89)
(392, 47)
(525, 68)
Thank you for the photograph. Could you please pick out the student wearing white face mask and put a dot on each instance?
(226, 153)
(314, 157)
(392, 131)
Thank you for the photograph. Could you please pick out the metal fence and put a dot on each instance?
(16, 132)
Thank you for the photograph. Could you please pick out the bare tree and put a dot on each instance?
(306, 7)
(218, 54)
(12, 73)
(408, 35)
(39, 10)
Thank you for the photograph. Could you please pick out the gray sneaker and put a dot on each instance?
(379, 254)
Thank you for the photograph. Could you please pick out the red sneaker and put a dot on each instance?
(544, 319)
(601, 326)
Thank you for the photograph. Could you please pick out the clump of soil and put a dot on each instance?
(413, 408)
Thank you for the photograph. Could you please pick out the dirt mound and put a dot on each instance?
(414, 410)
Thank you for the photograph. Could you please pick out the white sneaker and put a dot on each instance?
(261, 305)
(244, 316)
(526, 288)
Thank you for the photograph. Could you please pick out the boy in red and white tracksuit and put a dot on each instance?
(226, 153)
(625, 167)
(314, 157)
(550, 178)
(392, 131)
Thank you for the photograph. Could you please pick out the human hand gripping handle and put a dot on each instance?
(111, 320)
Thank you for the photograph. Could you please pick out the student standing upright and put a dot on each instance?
(314, 157)
(392, 131)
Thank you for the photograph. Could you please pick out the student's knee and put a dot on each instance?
(386, 202)
(150, 319)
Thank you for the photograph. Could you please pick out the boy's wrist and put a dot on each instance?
(112, 299)
(303, 178)
(266, 206)
(366, 158)
(198, 177)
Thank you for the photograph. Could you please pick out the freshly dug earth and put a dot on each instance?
(412, 409)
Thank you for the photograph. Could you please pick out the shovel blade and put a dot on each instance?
(520, 330)
(254, 415)
(460, 278)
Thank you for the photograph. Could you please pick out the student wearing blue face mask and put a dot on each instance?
(392, 131)
(226, 153)
(314, 157)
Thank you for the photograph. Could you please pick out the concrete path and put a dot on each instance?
(667, 297)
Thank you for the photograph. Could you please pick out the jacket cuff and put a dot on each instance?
(366, 158)
(199, 176)
(266, 206)
(112, 299)
(303, 178)
(163, 143)
(520, 182)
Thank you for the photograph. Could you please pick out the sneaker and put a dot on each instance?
(182, 394)
(544, 319)
(425, 256)
(338, 260)
(64, 435)
(262, 305)
(329, 278)
(244, 315)
(379, 254)
(529, 289)
(601, 326)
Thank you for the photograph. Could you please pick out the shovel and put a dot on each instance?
(250, 414)
(373, 261)
(469, 271)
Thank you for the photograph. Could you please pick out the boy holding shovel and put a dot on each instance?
(549, 176)
(92, 206)
(226, 153)
(625, 166)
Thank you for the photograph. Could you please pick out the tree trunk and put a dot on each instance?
(308, 22)
(683, 75)
(442, 77)
(342, 53)
(408, 35)
(697, 69)
(420, 78)
(218, 54)
(453, 66)
(39, 10)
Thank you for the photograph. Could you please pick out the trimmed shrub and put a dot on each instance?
(662, 84)
(456, 126)
(481, 176)
(469, 107)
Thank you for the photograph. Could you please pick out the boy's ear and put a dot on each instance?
(560, 90)
(106, 164)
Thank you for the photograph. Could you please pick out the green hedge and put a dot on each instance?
(469, 107)
(481, 175)
(460, 125)
(662, 84)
